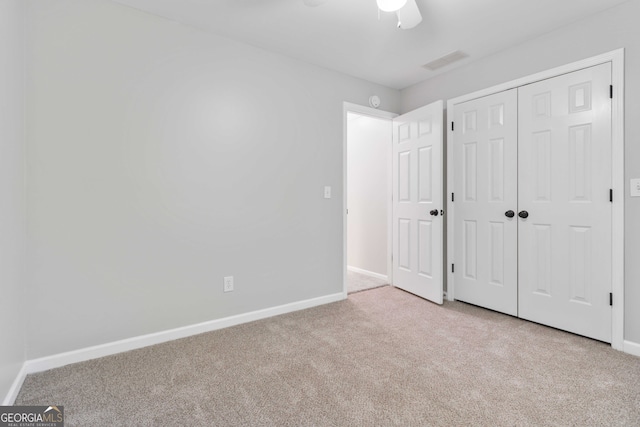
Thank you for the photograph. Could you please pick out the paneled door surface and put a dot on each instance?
(418, 201)
(485, 192)
(564, 167)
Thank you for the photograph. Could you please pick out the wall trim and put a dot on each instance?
(368, 273)
(63, 359)
(108, 349)
(616, 58)
(12, 394)
(631, 348)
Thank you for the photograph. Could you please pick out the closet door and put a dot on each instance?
(485, 190)
(564, 168)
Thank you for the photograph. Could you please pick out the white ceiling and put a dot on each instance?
(346, 35)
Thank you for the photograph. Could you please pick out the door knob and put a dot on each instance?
(509, 214)
(434, 212)
(523, 214)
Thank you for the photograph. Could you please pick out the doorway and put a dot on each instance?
(367, 177)
(414, 199)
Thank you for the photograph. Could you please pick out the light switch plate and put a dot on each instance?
(634, 187)
(327, 192)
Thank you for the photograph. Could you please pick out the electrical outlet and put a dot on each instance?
(228, 284)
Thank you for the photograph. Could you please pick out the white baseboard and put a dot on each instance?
(84, 354)
(368, 273)
(16, 386)
(81, 355)
(632, 348)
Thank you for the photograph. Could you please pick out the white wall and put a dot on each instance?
(612, 29)
(161, 159)
(12, 193)
(368, 145)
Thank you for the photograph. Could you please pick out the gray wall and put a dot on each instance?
(12, 194)
(615, 28)
(161, 159)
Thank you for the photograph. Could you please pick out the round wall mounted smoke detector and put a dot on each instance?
(374, 101)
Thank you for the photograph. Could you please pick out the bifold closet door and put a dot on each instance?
(564, 167)
(485, 190)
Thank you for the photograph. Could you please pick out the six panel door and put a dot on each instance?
(485, 190)
(532, 231)
(417, 202)
(564, 168)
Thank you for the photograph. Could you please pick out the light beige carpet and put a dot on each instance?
(357, 282)
(381, 358)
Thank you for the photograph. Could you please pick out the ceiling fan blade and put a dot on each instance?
(409, 16)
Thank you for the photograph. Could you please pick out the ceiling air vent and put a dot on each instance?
(445, 60)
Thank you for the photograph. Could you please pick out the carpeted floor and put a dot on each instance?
(380, 358)
(357, 282)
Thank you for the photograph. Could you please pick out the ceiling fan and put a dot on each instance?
(407, 10)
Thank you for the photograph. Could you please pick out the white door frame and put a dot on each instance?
(616, 58)
(365, 111)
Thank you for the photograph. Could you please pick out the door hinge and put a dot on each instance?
(452, 127)
(611, 91)
(453, 268)
(610, 298)
(452, 197)
(611, 195)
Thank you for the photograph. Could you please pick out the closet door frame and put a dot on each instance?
(616, 59)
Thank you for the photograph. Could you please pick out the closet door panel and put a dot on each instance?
(485, 188)
(564, 177)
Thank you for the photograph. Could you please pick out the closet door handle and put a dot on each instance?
(523, 214)
(509, 214)
(434, 212)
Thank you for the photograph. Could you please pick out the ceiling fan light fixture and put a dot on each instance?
(391, 5)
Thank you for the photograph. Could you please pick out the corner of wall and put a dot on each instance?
(13, 19)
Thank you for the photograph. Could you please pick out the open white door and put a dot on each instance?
(418, 202)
